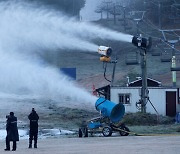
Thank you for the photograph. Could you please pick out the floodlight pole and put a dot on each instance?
(114, 69)
(137, 20)
(144, 90)
(137, 24)
(124, 16)
(159, 12)
(114, 11)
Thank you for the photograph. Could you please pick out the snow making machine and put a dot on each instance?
(108, 121)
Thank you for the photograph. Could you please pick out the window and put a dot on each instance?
(124, 98)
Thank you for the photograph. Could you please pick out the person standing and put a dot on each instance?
(12, 131)
(33, 133)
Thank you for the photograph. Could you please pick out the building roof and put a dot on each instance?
(150, 83)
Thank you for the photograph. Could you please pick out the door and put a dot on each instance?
(171, 103)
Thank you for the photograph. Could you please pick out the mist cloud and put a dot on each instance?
(27, 29)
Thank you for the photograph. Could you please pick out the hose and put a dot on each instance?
(105, 72)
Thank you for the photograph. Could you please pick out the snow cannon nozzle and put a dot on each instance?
(105, 51)
(142, 42)
(113, 111)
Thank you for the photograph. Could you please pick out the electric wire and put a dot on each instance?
(176, 34)
(105, 72)
(155, 37)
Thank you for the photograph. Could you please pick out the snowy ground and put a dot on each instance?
(43, 133)
(55, 118)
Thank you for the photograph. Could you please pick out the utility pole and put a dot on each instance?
(137, 25)
(173, 65)
(114, 13)
(114, 69)
(173, 59)
(124, 10)
(143, 44)
(138, 19)
(174, 72)
(159, 10)
(145, 5)
(144, 90)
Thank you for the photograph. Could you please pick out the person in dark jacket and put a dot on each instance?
(33, 133)
(12, 131)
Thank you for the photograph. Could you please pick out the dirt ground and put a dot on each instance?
(101, 145)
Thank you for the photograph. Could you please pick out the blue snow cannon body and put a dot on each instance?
(108, 122)
(113, 111)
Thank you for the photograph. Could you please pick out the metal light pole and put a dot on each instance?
(137, 24)
(144, 89)
(114, 69)
(114, 12)
(124, 16)
(143, 44)
(159, 12)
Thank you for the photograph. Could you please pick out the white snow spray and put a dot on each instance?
(27, 26)
(26, 29)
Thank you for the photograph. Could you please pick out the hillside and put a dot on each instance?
(90, 70)
(31, 47)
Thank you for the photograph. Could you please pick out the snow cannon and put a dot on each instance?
(143, 43)
(105, 53)
(111, 110)
(108, 121)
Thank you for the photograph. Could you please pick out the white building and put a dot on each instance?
(164, 99)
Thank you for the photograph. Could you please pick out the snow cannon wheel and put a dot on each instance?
(107, 131)
(125, 132)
